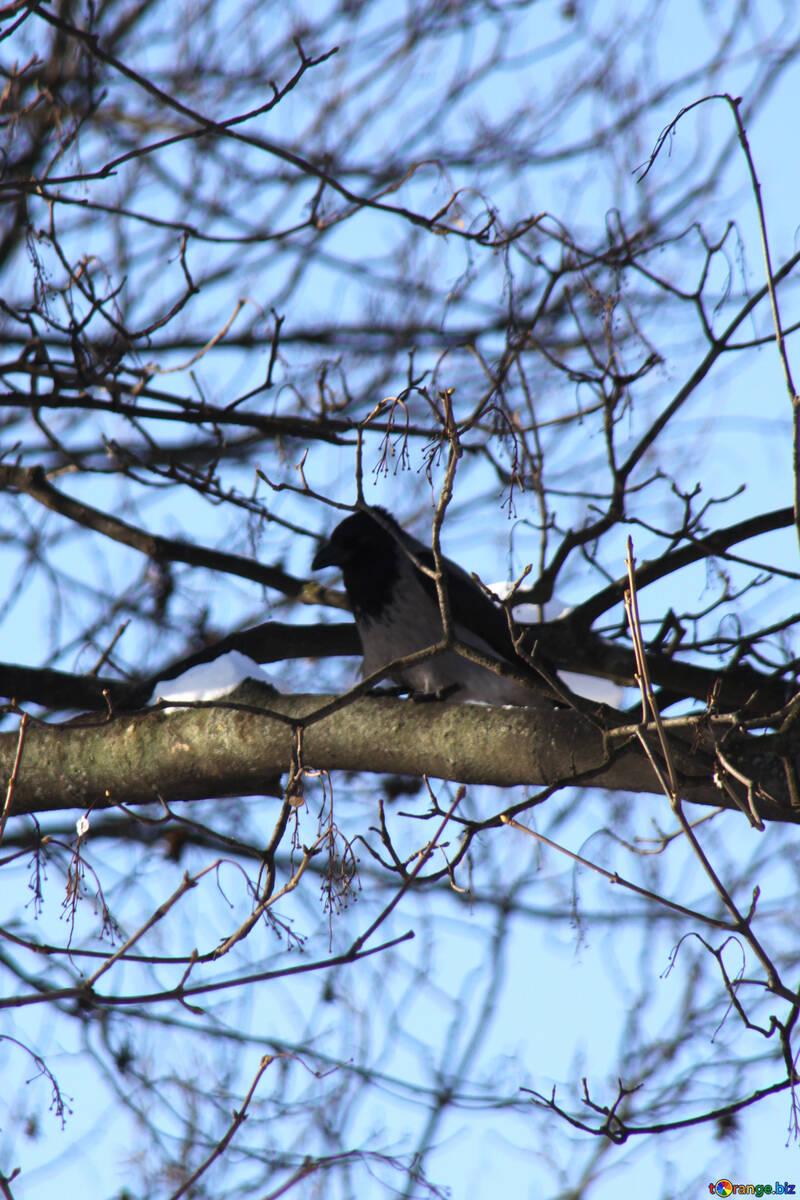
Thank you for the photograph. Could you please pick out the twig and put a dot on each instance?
(614, 877)
(239, 1117)
(740, 923)
(422, 858)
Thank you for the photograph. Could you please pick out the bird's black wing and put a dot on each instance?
(470, 607)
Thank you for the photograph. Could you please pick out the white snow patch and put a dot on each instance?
(209, 681)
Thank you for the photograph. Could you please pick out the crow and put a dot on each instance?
(389, 578)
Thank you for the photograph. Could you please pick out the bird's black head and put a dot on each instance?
(357, 539)
(368, 554)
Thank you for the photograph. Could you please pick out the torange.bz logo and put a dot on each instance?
(724, 1187)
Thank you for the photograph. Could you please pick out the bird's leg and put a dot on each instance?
(442, 693)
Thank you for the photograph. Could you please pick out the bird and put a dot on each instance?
(389, 577)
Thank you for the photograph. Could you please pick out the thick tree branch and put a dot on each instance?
(701, 547)
(736, 688)
(273, 641)
(237, 748)
(739, 687)
(33, 482)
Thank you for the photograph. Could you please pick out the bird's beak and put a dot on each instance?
(326, 556)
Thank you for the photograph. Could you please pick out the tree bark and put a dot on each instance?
(242, 744)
